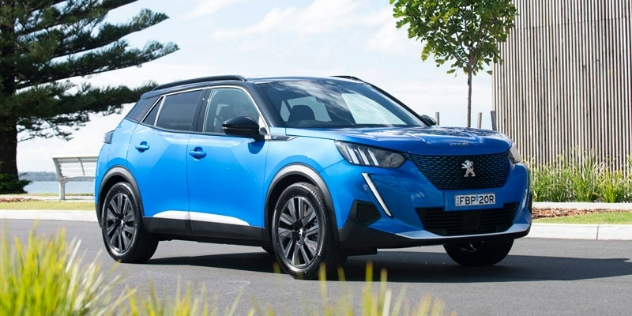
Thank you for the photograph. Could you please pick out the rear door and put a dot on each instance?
(157, 156)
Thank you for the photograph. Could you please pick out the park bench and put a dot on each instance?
(73, 168)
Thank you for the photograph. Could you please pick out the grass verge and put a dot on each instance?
(47, 205)
(594, 218)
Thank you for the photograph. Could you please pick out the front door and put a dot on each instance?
(226, 195)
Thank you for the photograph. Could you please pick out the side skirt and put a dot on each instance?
(200, 231)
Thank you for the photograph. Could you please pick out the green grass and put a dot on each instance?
(45, 276)
(47, 205)
(595, 218)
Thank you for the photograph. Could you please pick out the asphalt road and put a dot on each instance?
(539, 277)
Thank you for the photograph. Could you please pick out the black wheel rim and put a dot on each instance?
(298, 232)
(120, 223)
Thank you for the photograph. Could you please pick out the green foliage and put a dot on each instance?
(44, 277)
(613, 186)
(550, 183)
(185, 304)
(375, 303)
(464, 33)
(43, 44)
(10, 184)
(582, 180)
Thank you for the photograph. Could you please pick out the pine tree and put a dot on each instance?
(44, 43)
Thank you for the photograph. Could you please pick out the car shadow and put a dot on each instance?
(419, 267)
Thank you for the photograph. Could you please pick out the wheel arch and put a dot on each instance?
(292, 174)
(113, 176)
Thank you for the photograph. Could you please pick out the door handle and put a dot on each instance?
(197, 153)
(142, 146)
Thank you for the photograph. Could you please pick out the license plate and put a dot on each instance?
(475, 199)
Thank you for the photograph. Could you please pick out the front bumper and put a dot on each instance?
(400, 208)
(359, 233)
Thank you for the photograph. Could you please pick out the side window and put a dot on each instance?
(177, 111)
(226, 103)
(140, 109)
(150, 119)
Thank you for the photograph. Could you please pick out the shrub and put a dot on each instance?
(582, 180)
(10, 184)
(612, 187)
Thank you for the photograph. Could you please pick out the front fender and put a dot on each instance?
(291, 174)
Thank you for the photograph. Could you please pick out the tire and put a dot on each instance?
(302, 233)
(477, 254)
(122, 227)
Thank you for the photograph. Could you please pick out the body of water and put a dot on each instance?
(52, 187)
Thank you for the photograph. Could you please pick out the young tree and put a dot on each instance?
(43, 43)
(466, 32)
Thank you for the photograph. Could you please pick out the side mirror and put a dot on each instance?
(241, 126)
(428, 120)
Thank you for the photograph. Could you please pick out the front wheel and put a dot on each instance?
(302, 233)
(122, 227)
(481, 253)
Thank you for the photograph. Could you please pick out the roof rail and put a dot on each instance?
(197, 80)
(350, 78)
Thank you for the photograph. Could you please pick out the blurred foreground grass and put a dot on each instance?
(46, 276)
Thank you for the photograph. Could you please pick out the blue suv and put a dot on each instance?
(310, 169)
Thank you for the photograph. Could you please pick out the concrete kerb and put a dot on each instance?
(557, 231)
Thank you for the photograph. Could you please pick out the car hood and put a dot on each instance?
(417, 140)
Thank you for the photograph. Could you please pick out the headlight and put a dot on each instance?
(370, 156)
(514, 155)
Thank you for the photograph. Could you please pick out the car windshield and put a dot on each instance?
(334, 104)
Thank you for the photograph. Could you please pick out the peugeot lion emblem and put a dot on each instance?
(469, 168)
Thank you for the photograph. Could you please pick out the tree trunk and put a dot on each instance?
(469, 98)
(8, 146)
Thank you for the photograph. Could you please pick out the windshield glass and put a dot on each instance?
(334, 104)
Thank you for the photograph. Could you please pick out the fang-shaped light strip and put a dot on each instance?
(377, 195)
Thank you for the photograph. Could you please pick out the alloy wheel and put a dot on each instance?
(299, 232)
(120, 223)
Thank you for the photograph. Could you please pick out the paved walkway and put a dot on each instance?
(560, 231)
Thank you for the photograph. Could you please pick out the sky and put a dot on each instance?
(255, 38)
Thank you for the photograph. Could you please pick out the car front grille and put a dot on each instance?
(453, 223)
(449, 173)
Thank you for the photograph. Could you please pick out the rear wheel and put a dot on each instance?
(302, 233)
(122, 226)
(481, 253)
